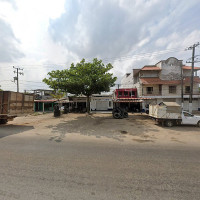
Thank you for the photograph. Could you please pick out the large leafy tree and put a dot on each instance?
(83, 78)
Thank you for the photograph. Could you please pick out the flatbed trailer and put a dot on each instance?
(13, 104)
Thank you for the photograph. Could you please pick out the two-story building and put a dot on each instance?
(128, 98)
(162, 82)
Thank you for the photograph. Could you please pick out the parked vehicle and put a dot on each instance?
(13, 104)
(170, 114)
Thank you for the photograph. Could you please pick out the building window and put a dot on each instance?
(109, 104)
(160, 89)
(119, 94)
(132, 93)
(187, 89)
(172, 89)
(126, 93)
(149, 90)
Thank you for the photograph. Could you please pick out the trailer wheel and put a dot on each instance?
(169, 123)
(198, 124)
(3, 121)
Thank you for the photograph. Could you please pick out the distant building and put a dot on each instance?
(42, 94)
(100, 102)
(162, 82)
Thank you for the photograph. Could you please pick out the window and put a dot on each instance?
(119, 94)
(187, 89)
(149, 90)
(126, 93)
(172, 89)
(160, 89)
(133, 93)
(109, 104)
(186, 114)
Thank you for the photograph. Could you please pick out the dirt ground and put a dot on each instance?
(138, 128)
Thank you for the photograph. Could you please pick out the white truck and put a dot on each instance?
(170, 114)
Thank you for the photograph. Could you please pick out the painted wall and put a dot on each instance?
(149, 74)
(171, 69)
(106, 101)
(127, 81)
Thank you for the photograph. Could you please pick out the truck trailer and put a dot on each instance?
(171, 113)
(13, 104)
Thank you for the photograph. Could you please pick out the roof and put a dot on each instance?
(172, 104)
(150, 68)
(155, 81)
(43, 90)
(125, 100)
(46, 101)
(196, 79)
(189, 68)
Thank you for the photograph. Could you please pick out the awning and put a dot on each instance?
(130, 100)
(46, 101)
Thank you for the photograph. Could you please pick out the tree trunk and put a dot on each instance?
(88, 104)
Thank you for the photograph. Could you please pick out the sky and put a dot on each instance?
(43, 35)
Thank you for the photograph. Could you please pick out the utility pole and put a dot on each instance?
(118, 85)
(16, 78)
(182, 99)
(192, 73)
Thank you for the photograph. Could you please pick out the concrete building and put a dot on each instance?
(101, 102)
(162, 82)
(43, 94)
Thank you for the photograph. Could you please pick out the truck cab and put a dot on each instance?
(188, 118)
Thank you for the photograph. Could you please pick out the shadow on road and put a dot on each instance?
(101, 126)
(7, 130)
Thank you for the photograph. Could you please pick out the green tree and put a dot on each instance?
(83, 78)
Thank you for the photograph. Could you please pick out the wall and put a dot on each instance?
(148, 74)
(186, 73)
(127, 81)
(155, 90)
(171, 69)
(106, 100)
(139, 89)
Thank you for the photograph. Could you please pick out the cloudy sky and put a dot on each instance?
(44, 35)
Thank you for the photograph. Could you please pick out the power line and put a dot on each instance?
(122, 58)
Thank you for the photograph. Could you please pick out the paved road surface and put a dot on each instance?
(34, 168)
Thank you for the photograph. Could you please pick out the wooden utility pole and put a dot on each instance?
(192, 73)
(182, 99)
(16, 78)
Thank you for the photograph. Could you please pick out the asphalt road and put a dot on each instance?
(37, 168)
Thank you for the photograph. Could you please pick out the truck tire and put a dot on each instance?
(169, 123)
(198, 124)
(125, 114)
(116, 115)
(3, 121)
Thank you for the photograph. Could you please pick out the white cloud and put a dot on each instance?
(53, 33)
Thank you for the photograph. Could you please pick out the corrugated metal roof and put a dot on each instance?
(46, 101)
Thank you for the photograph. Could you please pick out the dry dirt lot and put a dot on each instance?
(138, 128)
